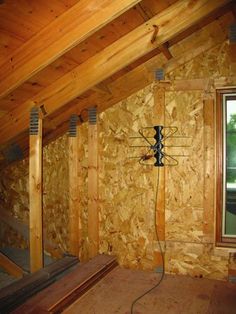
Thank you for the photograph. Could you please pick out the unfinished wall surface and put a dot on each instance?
(15, 196)
(127, 190)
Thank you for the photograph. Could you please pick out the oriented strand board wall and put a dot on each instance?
(127, 189)
(14, 195)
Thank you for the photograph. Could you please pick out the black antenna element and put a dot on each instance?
(155, 155)
(73, 125)
(158, 146)
(34, 121)
(92, 115)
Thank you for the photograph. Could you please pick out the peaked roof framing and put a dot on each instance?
(65, 32)
(169, 23)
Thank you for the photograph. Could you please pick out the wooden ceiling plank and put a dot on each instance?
(172, 21)
(65, 32)
(138, 78)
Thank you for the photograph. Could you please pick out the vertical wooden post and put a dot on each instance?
(35, 192)
(93, 218)
(159, 112)
(73, 187)
(209, 178)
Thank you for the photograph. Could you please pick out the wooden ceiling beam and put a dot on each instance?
(172, 21)
(138, 78)
(65, 32)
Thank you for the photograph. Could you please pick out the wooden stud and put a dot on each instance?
(159, 98)
(35, 200)
(64, 33)
(209, 180)
(93, 215)
(73, 195)
(10, 267)
(175, 19)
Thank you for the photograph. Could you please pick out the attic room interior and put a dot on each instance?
(118, 156)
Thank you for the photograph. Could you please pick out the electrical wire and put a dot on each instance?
(161, 251)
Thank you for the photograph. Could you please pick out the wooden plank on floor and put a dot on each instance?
(19, 291)
(35, 192)
(93, 219)
(68, 289)
(10, 267)
(176, 294)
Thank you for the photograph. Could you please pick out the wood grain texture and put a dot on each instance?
(74, 210)
(65, 32)
(209, 170)
(171, 21)
(35, 200)
(159, 184)
(69, 288)
(93, 208)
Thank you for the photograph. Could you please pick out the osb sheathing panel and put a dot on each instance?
(211, 64)
(126, 190)
(15, 197)
(56, 192)
(83, 188)
(196, 259)
(184, 183)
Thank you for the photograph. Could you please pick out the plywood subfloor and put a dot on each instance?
(176, 294)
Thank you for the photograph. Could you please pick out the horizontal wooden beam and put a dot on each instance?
(173, 20)
(65, 32)
(10, 267)
(143, 75)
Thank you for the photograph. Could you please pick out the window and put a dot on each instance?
(226, 167)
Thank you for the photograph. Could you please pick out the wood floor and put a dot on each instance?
(176, 294)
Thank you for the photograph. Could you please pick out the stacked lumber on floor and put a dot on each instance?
(19, 291)
(65, 291)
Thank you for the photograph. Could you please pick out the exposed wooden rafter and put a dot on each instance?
(172, 21)
(65, 32)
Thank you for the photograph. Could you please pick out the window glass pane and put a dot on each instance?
(230, 180)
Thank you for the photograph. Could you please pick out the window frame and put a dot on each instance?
(221, 240)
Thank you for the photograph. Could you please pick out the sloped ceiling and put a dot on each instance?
(66, 55)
